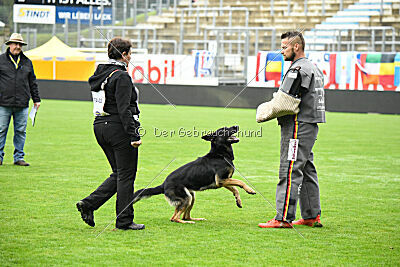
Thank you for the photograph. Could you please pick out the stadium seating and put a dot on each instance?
(244, 27)
(365, 15)
(362, 13)
(168, 24)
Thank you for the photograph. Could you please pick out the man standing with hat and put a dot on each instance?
(17, 85)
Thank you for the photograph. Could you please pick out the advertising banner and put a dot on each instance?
(81, 3)
(73, 13)
(342, 70)
(31, 2)
(203, 62)
(42, 14)
(36, 11)
(168, 69)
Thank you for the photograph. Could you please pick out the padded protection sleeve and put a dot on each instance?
(281, 104)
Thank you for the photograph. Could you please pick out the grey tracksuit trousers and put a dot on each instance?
(297, 179)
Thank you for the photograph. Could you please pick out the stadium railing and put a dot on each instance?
(324, 4)
(31, 37)
(108, 32)
(334, 39)
(214, 15)
(230, 65)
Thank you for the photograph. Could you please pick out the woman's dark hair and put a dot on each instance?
(117, 46)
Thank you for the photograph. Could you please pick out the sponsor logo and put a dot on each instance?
(40, 14)
(154, 73)
(34, 12)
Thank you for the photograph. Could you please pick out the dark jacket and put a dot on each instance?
(17, 85)
(121, 98)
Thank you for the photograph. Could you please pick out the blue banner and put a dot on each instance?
(73, 13)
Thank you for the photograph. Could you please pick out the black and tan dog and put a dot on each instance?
(211, 171)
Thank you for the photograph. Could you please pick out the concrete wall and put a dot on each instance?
(235, 96)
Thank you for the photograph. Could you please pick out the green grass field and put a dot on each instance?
(357, 157)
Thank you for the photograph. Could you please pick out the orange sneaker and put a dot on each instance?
(275, 224)
(316, 222)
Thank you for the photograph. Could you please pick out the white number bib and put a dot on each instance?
(99, 98)
(293, 147)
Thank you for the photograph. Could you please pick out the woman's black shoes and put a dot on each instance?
(132, 226)
(87, 217)
(86, 213)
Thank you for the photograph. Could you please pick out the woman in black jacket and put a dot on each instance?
(116, 128)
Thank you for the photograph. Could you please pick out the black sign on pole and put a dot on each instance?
(31, 2)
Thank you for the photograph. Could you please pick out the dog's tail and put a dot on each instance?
(147, 192)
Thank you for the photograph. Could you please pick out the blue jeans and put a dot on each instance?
(20, 118)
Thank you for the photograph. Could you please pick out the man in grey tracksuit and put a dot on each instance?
(297, 174)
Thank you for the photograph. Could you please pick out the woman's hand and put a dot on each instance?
(136, 144)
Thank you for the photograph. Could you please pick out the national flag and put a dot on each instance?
(203, 61)
(338, 68)
(258, 66)
(397, 70)
(332, 71)
(343, 70)
(349, 67)
(372, 66)
(321, 60)
(274, 68)
(360, 71)
(196, 63)
(386, 71)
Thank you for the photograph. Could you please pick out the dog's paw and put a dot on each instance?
(197, 219)
(191, 222)
(251, 192)
(181, 221)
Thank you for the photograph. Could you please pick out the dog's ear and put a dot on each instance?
(208, 137)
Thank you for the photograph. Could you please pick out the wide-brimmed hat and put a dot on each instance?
(16, 38)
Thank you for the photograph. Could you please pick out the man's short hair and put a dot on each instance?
(117, 46)
(295, 34)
